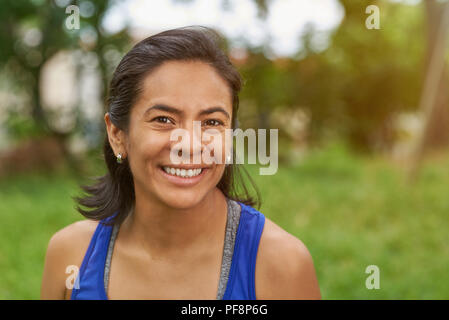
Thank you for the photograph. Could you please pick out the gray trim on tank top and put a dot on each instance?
(232, 223)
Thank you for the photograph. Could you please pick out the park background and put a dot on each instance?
(362, 113)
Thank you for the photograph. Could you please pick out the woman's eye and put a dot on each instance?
(162, 120)
(213, 122)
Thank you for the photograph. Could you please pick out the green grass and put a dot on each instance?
(350, 211)
(32, 208)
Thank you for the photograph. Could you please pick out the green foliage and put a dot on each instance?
(356, 86)
(376, 73)
(44, 23)
(20, 127)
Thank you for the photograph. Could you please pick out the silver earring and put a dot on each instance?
(119, 158)
(228, 159)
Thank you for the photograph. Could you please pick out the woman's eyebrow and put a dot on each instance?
(174, 110)
(163, 107)
(214, 109)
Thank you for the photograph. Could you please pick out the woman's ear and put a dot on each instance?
(116, 137)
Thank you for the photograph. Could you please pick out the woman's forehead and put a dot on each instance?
(184, 84)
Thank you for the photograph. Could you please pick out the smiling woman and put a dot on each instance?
(159, 230)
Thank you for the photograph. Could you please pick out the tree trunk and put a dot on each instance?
(436, 135)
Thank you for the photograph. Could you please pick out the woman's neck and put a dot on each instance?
(164, 231)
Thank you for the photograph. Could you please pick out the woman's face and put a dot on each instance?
(174, 96)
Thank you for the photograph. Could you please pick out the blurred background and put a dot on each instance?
(359, 95)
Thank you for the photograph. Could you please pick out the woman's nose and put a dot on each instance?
(191, 146)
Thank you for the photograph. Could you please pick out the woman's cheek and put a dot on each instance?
(146, 151)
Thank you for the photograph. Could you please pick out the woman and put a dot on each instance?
(159, 230)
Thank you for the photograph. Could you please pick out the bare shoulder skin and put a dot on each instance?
(284, 267)
(66, 247)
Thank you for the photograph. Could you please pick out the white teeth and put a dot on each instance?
(183, 172)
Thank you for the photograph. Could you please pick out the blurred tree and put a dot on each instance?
(356, 86)
(436, 130)
(33, 31)
(379, 71)
(434, 98)
(30, 33)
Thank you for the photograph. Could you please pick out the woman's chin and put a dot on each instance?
(182, 200)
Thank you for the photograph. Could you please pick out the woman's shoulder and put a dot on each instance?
(65, 250)
(284, 267)
(74, 235)
(71, 242)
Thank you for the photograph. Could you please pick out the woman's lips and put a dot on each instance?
(184, 181)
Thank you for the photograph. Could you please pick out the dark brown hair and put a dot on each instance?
(114, 192)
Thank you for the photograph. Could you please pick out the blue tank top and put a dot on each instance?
(89, 284)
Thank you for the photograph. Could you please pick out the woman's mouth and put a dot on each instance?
(183, 173)
(183, 177)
